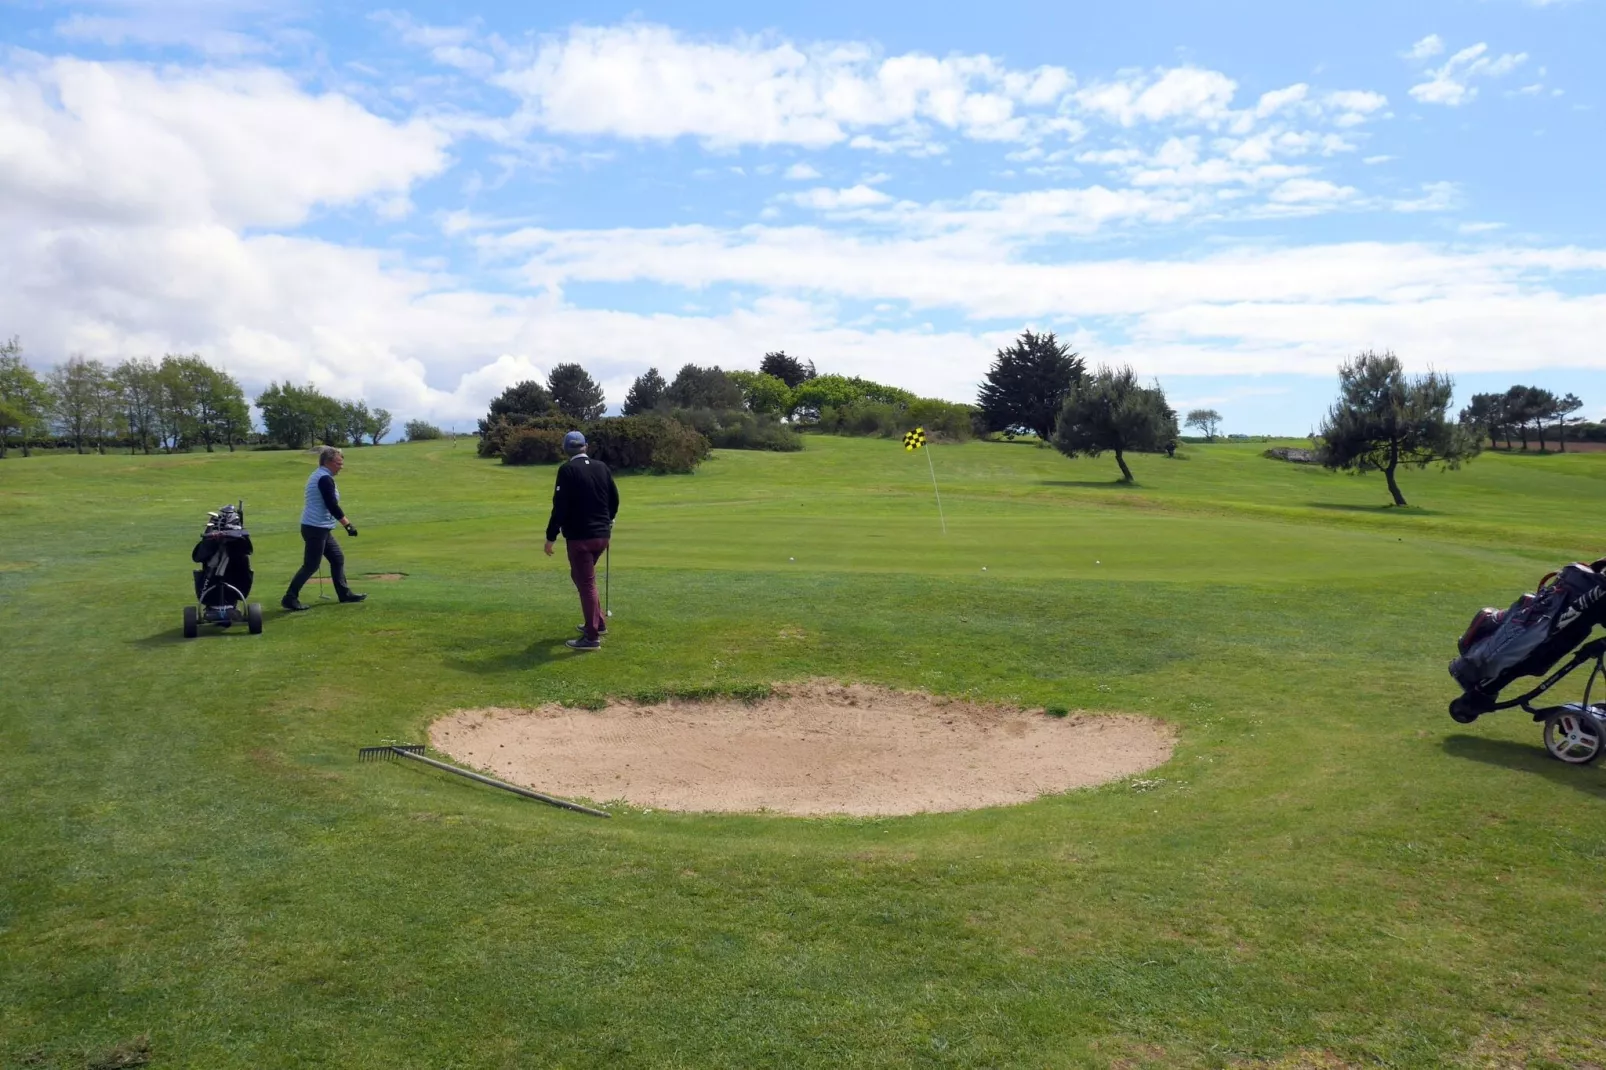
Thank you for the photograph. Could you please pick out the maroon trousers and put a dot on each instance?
(583, 557)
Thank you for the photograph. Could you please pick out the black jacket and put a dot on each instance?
(584, 501)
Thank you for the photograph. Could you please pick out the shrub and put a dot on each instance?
(419, 431)
(494, 436)
(739, 430)
(944, 421)
(533, 445)
(654, 443)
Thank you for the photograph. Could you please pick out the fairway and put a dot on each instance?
(1328, 872)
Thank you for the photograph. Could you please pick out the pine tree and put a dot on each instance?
(575, 393)
(1027, 385)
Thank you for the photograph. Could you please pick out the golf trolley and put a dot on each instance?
(1527, 640)
(224, 579)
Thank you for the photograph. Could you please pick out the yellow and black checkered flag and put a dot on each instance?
(915, 439)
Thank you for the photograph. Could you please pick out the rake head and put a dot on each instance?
(388, 750)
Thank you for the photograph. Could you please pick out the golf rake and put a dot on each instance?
(415, 752)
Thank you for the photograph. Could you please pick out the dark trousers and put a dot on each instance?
(320, 543)
(583, 557)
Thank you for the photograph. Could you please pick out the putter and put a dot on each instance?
(322, 597)
(607, 578)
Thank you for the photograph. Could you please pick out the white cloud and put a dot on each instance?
(1306, 191)
(1278, 99)
(119, 143)
(1186, 94)
(825, 199)
(1427, 48)
(1451, 84)
(801, 172)
(652, 82)
(222, 28)
(1436, 197)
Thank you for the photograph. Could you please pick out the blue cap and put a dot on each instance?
(574, 442)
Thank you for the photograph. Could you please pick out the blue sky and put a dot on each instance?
(421, 204)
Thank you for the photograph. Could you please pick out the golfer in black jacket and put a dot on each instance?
(584, 503)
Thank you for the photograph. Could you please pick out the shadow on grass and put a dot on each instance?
(1107, 484)
(534, 656)
(1380, 510)
(173, 636)
(1527, 759)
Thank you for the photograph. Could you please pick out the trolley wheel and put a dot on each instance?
(192, 623)
(253, 618)
(1573, 737)
(1462, 711)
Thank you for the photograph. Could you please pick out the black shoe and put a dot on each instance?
(293, 604)
(584, 644)
(352, 596)
(581, 628)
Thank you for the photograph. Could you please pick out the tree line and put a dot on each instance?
(174, 404)
(177, 403)
(1523, 411)
(296, 417)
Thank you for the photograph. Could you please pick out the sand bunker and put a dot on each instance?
(816, 749)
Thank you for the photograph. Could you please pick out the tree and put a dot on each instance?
(1541, 406)
(789, 370)
(1485, 414)
(80, 387)
(420, 431)
(1027, 385)
(1206, 420)
(528, 398)
(105, 405)
(212, 401)
(290, 413)
(1382, 420)
(575, 393)
(330, 419)
(703, 388)
(356, 417)
(645, 393)
(841, 391)
(233, 416)
(763, 393)
(138, 386)
(175, 407)
(1111, 411)
(1566, 405)
(378, 424)
(25, 399)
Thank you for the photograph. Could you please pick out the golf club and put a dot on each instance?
(607, 578)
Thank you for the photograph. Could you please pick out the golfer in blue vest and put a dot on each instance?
(584, 503)
(318, 519)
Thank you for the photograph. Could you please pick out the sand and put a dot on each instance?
(810, 749)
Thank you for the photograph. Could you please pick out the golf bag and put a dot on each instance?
(224, 554)
(1533, 634)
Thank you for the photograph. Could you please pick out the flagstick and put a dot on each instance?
(934, 489)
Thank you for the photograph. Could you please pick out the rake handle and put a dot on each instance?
(550, 800)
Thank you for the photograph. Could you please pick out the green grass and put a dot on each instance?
(1329, 872)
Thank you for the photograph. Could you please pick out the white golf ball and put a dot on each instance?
(791, 559)
(984, 568)
(1098, 562)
